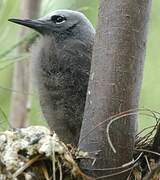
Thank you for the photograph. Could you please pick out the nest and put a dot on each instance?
(36, 153)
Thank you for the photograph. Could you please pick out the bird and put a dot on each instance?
(61, 66)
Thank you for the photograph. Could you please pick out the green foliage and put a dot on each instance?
(8, 37)
(150, 93)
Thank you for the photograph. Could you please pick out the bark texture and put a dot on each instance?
(115, 81)
(21, 75)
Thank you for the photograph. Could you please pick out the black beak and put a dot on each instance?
(37, 25)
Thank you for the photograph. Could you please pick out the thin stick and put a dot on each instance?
(45, 173)
(119, 167)
(60, 171)
(28, 164)
(115, 174)
(53, 162)
(149, 151)
(149, 168)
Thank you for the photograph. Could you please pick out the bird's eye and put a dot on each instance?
(58, 19)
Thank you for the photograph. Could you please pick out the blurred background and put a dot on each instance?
(11, 38)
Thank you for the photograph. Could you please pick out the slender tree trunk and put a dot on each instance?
(21, 76)
(115, 81)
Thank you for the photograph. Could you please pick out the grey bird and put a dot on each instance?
(62, 60)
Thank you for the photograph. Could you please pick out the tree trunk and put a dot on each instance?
(115, 81)
(21, 76)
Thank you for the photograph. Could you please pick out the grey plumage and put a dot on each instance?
(62, 59)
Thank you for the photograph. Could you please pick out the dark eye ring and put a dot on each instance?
(58, 19)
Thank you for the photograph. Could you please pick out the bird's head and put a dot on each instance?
(59, 22)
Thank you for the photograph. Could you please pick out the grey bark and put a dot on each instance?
(21, 75)
(115, 82)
